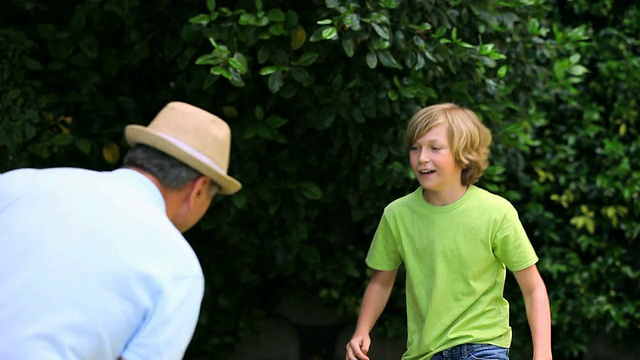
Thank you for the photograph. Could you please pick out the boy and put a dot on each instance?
(456, 241)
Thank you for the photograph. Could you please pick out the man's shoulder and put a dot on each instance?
(46, 179)
(38, 173)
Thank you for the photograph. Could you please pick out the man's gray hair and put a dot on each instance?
(170, 172)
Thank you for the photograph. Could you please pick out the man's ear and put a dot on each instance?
(199, 189)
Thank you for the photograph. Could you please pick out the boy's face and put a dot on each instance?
(435, 167)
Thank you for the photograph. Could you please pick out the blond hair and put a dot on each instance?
(469, 139)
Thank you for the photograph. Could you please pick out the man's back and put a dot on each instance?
(85, 261)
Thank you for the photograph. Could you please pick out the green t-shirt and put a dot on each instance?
(455, 258)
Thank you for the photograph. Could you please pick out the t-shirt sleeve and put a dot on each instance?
(384, 252)
(511, 244)
(169, 326)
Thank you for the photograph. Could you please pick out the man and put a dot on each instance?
(93, 265)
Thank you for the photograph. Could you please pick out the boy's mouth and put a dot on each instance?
(426, 171)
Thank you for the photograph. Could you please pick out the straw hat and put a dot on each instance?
(195, 137)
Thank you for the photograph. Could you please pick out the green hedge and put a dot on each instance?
(317, 95)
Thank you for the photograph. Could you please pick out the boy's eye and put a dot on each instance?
(414, 148)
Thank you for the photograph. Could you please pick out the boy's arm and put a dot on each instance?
(536, 302)
(373, 302)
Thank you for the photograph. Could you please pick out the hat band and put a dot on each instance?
(193, 152)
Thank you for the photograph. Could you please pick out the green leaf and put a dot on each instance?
(263, 131)
(202, 19)
(332, 4)
(310, 254)
(275, 15)
(317, 35)
(372, 60)
(430, 92)
(263, 54)
(236, 79)
(310, 190)
(83, 145)
(247, 19)
(78, 22)
(388, 60)
(185, 58)
(47, 31)
(89, 46)
(209, 81)
(440, 32)
(239, 199)
(258, 112)
(262, 21)
(348, 45)
(533, 26)
(275, 121)
(330, 33)
(276, 81)
(307, 59)
(219, 70)
(13, 94)
(383, 32)
(381, 45)
(29, 131)
(502, 71)
(430, 56)
(575, 58)
(301, 75)
(268, 70)
(16, 136)
(466, 45)
(32, 64)
(276, 30)
(257, 129)
(389, 4)
(239, 62)
(578, 70)
(420, 62)
(208, 59)
(211, 5)
(62, 139)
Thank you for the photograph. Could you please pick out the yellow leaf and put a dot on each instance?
(623, 129)
(64, 129)
(230, 111)
(66, 119)
(111, 152)
(298, 38)
(610, 211)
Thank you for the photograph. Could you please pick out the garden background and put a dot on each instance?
(317, 94)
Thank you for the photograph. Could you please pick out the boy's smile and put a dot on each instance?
(435, 167)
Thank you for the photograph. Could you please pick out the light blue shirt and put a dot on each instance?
(92, 268)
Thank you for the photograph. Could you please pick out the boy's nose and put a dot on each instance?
(424, 157)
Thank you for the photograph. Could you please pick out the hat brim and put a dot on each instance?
(136, 134)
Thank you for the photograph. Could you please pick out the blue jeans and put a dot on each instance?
(473, 351)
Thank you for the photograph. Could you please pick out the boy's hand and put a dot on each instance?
(358, 347)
